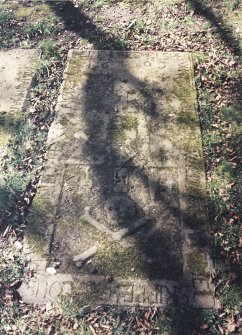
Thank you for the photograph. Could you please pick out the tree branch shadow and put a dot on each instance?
(225, 32)
(80, 24)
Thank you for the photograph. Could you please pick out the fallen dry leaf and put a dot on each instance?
(204, 326)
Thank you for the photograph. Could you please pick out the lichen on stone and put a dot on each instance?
(197, 265)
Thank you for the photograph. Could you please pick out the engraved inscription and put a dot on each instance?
(43, 287)
(120, 180)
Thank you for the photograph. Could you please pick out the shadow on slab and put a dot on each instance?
(77, 22)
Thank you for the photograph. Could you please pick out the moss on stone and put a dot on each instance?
(64, 121)
(23, 12)
(152, 125)
(5, 137)
(75, 72)
(137, 142)
(188, 118)
(128, 122)
(197, 265)
(114, 259)
(119, 126)
(182, 89)
(77, 198)
(189, 141)
(196, 217)
(197, 164)
(159, 155)
(91, 292)
(84, 222)
(38, 225)
(196, 189)
(189, 138)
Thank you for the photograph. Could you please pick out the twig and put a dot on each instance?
(92, 330)
(6, 230)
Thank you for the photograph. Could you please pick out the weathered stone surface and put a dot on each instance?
(45, 287)
(125, 175)
(16, 74)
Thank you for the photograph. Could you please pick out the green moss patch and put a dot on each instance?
(115, 260)
(118, 126)
(182, 89)
(196, 263)
(38, 225)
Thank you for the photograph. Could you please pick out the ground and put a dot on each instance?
(209, 29)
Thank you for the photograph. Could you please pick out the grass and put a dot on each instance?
(141, 26)
(7, 28)
(42, 29)
(5, 16)
(121, 320)
(232, 113)
(234, 4)
(11, 186)
(186, 321)
(231, 298)
(49, 49)
(26, 146)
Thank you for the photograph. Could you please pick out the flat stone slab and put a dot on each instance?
(121, 203)
(16, 75)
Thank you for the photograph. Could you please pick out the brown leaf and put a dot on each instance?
(231, 327)
(204, 326)
(139, 323)
(148, 314)
(221, 330)
(154, 313)
(92, 330)
(75, 326)
(240, 241)
(51, 330)
(233, 276)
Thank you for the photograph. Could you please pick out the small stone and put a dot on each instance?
(48, 306)
(132, 270)
(50, 270)
(18, 245)
(79, 264)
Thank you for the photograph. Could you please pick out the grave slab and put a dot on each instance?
(121, 203)
(16, 75)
